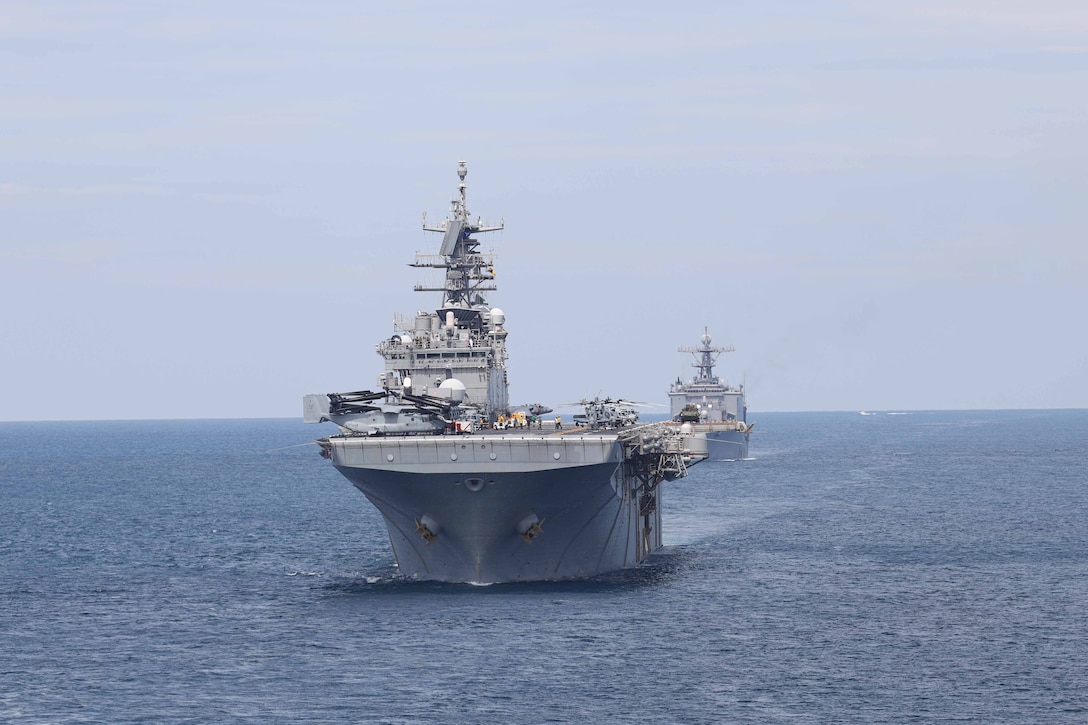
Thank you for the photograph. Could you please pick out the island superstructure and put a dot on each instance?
(708, 399)
(470, 488)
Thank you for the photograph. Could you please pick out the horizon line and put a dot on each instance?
(750, 412)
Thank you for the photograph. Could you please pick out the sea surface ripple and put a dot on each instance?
(920, 568)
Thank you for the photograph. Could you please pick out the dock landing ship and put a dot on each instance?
(471, 488)
(711, 404)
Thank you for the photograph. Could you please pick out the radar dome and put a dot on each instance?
(498, 317)
(453, 389)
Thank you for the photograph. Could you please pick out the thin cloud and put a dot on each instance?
(1040, 16)
(14, 189)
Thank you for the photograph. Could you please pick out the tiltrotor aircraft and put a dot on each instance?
(381, 413)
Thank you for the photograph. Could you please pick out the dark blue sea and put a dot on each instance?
(916, 568)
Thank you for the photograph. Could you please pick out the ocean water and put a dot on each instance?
(918, 568)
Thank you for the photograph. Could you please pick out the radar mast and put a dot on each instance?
(705, 357)
(468, 272)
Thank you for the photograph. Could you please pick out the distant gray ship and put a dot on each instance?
(473, 489)
(707, 399)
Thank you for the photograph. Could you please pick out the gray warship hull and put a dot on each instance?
(507, 508)
(727, 445)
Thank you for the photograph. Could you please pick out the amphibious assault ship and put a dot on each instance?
(471, 488)
(712, 404)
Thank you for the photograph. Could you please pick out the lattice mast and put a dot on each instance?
(706, 357)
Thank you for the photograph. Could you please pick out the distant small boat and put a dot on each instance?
(862, 412)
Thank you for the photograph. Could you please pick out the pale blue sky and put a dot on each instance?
(207, 208)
